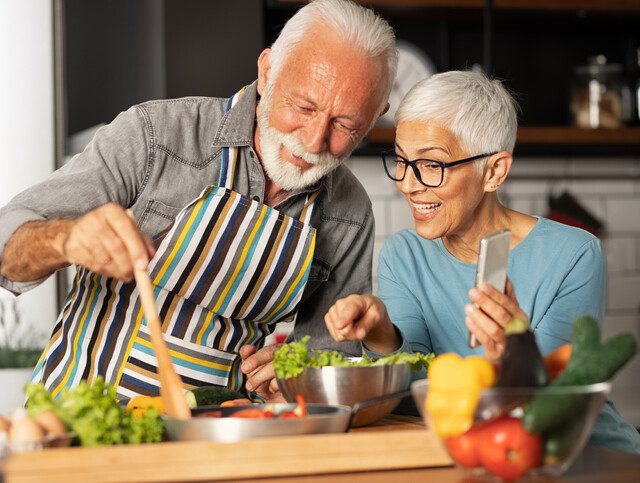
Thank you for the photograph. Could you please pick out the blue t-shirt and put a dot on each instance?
(558, 273)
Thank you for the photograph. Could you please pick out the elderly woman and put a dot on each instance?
(455, 134)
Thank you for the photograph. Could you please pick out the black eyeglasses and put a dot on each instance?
(428, 171)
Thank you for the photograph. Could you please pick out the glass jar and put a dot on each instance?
(597, 94)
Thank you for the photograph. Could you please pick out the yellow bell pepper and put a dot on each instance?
(138, 405)
(455, 384)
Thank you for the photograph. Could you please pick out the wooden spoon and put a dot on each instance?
(171, 389)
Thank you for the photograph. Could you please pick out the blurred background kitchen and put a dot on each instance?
(69, 66)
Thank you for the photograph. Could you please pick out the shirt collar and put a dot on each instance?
(237, 125)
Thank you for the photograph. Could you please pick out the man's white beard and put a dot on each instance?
(281, 172)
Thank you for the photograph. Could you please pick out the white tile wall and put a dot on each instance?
(616, 202)
(622, 254)
(623, 213)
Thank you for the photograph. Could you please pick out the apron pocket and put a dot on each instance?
(196, 364)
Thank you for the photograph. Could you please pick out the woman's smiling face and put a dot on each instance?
(447, 210)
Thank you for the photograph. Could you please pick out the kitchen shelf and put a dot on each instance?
(549, 135)
(560, 5)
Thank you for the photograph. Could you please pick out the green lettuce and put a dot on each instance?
(92, 412)
(292, 359)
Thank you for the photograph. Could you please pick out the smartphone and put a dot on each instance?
(492, 265)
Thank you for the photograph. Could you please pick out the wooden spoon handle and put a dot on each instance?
(171, 388)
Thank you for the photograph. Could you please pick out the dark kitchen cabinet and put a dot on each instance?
(532, 45)
(118, 53)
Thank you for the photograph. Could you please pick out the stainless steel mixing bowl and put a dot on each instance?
(349, 386)
(224, 429)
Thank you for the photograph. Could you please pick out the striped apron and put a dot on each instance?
(225, 273)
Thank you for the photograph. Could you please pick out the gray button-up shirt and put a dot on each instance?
(157, 157)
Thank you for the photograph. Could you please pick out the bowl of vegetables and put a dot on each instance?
(372, 388)
(539, 432)
(529, 415)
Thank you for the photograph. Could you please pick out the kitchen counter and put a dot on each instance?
(398, 448)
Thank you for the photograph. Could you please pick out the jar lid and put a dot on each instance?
(598, 65)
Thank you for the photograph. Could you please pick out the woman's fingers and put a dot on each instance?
(490, 313)
(510, 292)
(497, 311)
(502, 307)
(344, 316)
(487, 324)
(492, 348)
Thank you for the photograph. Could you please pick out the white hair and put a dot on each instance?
(479, 111)
(357, 25)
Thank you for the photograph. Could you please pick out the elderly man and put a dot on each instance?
(240, 209)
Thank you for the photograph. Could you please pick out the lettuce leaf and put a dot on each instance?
(92, 412)
(292, 359)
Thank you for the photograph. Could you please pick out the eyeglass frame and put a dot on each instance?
(415, 170)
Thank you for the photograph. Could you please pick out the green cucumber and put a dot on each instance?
(585, 337)
(213, 395)
(559, 442)
(599, 364)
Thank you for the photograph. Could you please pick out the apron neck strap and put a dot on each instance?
(229, 154)
(307, 210)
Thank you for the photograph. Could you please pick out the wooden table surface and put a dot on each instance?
(596, 464)
(396, 449)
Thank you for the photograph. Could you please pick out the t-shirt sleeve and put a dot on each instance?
(402, 305)
(581, 292)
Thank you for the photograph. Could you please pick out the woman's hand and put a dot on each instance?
(489, 314)
(363, 318)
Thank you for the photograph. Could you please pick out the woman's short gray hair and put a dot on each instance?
(479, 111)
(357, 25)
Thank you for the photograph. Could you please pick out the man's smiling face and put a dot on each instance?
(313, 114)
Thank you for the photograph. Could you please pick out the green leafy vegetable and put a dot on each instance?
(292, 359)
(94, 415)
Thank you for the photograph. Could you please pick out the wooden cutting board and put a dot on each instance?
(394, 443)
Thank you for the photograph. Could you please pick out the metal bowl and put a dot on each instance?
(224, 429)
(349, 386)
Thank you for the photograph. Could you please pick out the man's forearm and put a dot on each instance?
(35, 250)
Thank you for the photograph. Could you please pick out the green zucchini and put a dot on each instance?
(598, 364)
(213, 395)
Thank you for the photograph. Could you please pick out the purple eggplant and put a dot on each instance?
(521, 365)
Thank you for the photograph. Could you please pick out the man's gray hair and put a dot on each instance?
(479, 111)
(357, 25)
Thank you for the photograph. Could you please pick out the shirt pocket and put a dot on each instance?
(157, 219)
(319, 273)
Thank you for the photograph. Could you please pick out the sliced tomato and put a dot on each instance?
(255, 413)
(301, 410)
(288, 415)
(236, 402)
(210, 414)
